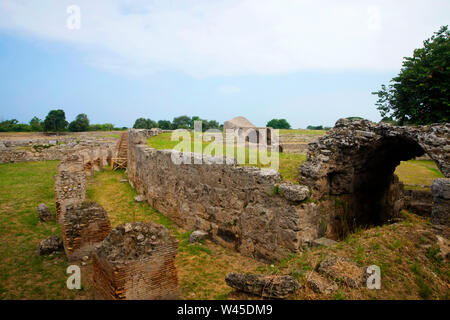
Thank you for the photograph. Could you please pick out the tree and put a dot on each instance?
(212, 124)
(278, 124)
(193, 119)
(55, 121)
(81, 123)
(182, 122)
(420, 93)
(164, 124)
(143, 123)
(36, 124)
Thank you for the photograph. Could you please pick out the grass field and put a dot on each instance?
(302, 131)
(418, 174)
(287, 165)
(415, 174)
(406, 252)
(25, 274)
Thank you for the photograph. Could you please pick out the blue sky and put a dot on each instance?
(307, 62)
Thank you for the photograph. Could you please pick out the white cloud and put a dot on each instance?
(231, 37)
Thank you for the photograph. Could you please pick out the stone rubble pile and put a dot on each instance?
(136, 261)
(278, 287)
(84, 226)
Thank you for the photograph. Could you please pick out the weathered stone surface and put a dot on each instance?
(441, 202)
(320, 284)
(70, 184)
(139, 198)
(84, 226)
(418, 201)
(136, 261)
(197, 236)
(294, 192)
(343, 271)
(355, 163)
(49, 245)
(45, 150)
(44, 212)
(236, 205)
(323, 242)
(262, 285)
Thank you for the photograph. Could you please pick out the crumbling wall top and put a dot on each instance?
(134, 241)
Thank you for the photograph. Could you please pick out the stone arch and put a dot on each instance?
(351, 170)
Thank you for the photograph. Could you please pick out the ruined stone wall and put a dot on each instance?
(245, 208)
(70, 184)
(58, 149)
(84, 226)
(136, 262)
(351, 169)
(441, 202)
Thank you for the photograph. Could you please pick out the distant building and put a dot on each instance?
(248, 131)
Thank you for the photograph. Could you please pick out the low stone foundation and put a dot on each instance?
(84, 226)
(243, 208)
(70, 184)
(54, 149)
(350, 170)
(136, 262)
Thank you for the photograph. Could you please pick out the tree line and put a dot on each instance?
(181, 122)
(186, 122)
(55, 121)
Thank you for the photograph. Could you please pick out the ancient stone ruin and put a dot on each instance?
(351, 170)
(84, 226)
(278, 287)
(70, 184)
(49, 245)
(244, 208)
(44, 213)
(441, 202)
(347, 181)
(53, 148)
(247, 131)
(136, 261)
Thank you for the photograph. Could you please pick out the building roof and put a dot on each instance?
(240, 122)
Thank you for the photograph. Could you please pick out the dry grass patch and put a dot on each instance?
(406, 252)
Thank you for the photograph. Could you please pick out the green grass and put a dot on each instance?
(415, 174)
(25, 274)
(202, 267)
(302, 131)
(418, 174)
(287, 166)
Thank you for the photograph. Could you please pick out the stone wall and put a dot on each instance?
(245, 208)
(351, 169)
(70, 184)
(136, 262)
(53, 149)
(84, 226)
(418, 201)
(441, 202)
